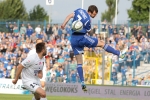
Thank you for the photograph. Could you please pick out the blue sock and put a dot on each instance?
(111, 50)
(80, 72)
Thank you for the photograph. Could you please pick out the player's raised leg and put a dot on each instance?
(106, 47)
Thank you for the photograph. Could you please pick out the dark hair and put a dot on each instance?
(92, 8)
(40, 47)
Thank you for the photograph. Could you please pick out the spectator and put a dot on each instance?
(134, 31)
(61, 59)
(148, 32)
(29, 31)
(135, 81)
(10, 28)
(73, 65)
(48, 31)
(115, 29)
(73, 76)
(6, 74)
(123, 72)
(129, 80)
(129, 62)
(13, 72)
(142, 81)
(38, 31)
(65, 79)
(114, 76)
(54, 30)
(51, 73)
(104, 23)
(58, 77)
(33, 37)
(15, 29)
(23, 30)
(138, 38)
(110, 30)
(68, 30)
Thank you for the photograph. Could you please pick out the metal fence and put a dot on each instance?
(5, 23)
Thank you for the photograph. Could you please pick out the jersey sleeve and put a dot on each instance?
(75, 11)
(27, 62)
(47, 56)
(88, 25)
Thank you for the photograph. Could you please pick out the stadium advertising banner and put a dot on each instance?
(7, 87)
(61, 89)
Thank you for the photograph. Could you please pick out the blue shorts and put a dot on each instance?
(78, 42)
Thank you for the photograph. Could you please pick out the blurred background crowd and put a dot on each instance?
(16, 43)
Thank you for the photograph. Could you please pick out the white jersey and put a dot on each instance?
(31, 52)
(32, 65)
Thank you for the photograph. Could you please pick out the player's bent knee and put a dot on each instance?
(101, 44)
(41, 92)
(43, 95)
(37, 96)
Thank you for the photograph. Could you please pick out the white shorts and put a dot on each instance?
(31, 86)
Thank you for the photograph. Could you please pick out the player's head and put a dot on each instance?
(39, 41)
(41, 48)
(92, 10)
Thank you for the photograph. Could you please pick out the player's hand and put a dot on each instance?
(62, 27)
(14, 81)
(40, 74)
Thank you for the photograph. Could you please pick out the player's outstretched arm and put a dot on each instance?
(66, 20)
(19, 69)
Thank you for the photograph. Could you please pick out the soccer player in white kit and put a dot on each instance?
(30, 67)
(41, 76)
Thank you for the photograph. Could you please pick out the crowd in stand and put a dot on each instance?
(138, 50)
(17, 42)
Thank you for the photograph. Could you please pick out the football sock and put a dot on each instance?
(80, 72)
(111, 50)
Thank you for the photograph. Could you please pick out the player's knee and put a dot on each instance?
(79, 59)
(101, 44)
(43, 94)
(37, 97)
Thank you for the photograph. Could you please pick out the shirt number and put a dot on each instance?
(79, 17)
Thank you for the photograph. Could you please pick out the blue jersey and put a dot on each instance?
(83, 16)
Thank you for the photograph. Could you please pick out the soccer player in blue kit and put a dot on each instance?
(80, 39)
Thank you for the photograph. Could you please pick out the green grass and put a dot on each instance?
(29, 97)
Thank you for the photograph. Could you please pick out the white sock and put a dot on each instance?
(33, 98)
(43, 99)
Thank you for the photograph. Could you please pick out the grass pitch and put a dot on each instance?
(29, 97)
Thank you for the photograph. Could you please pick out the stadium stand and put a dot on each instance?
(15, 43)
